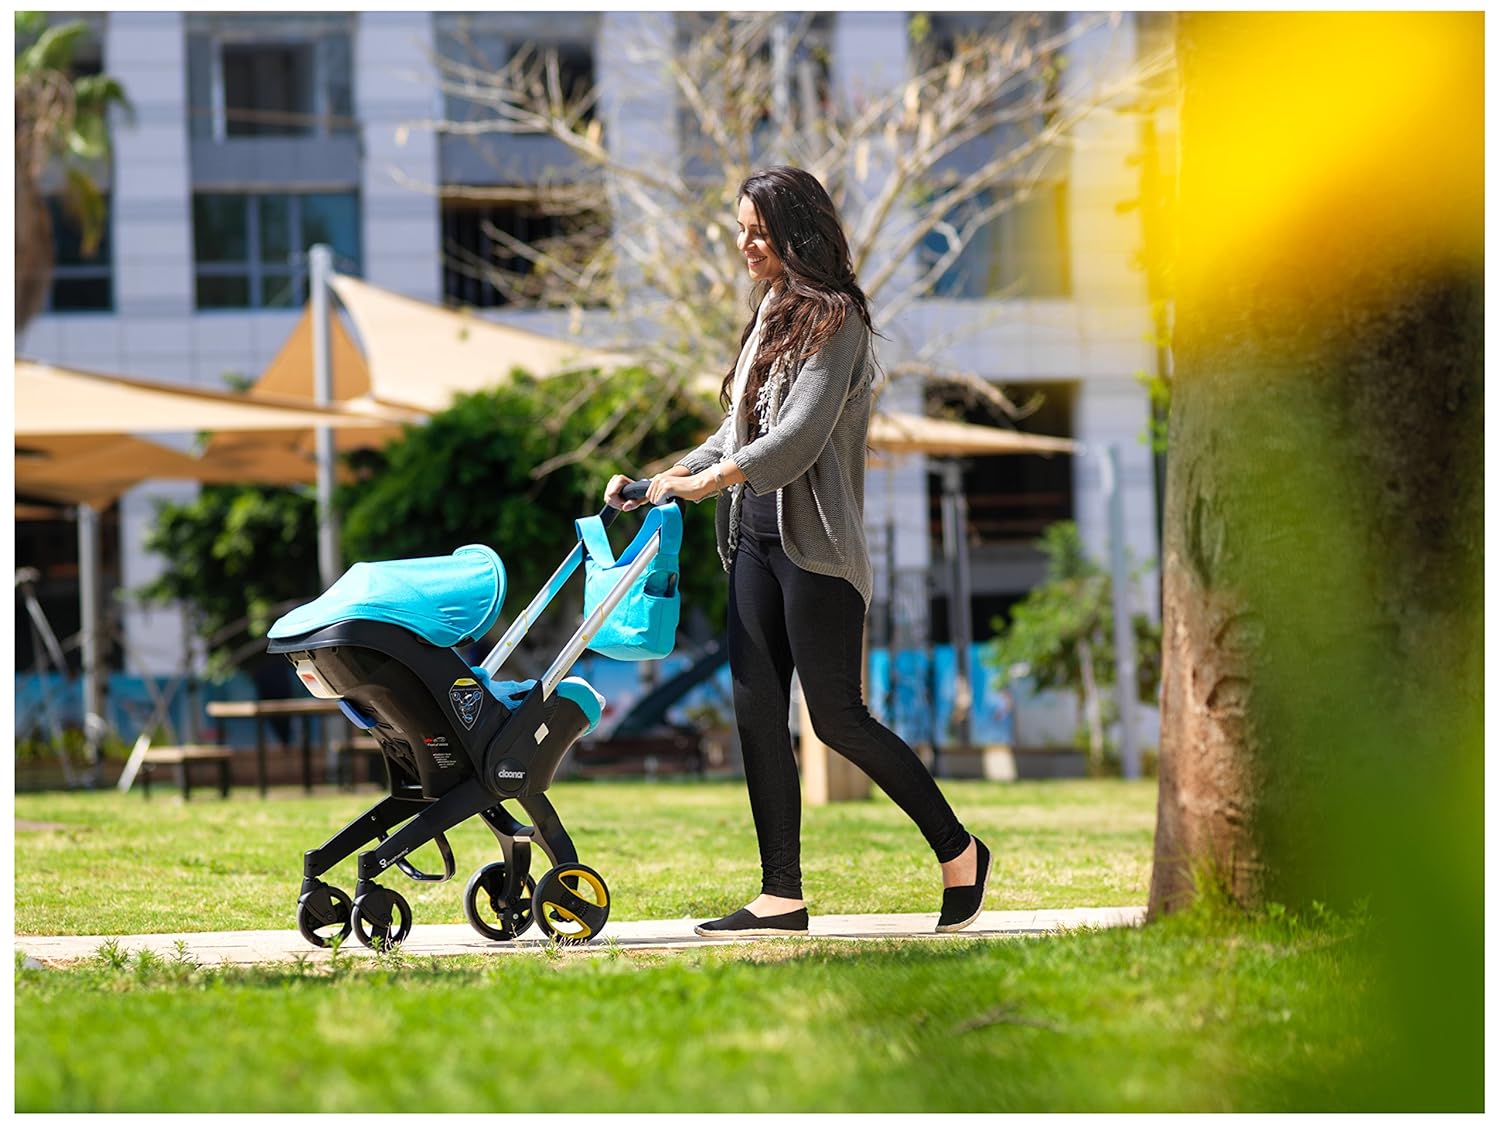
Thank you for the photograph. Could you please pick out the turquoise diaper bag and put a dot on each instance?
(643, 625)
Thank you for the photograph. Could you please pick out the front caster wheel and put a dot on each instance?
(381, 918)
(488, 912)
(571, 903)
(323, 915)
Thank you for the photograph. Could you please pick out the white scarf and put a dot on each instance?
(747, 357)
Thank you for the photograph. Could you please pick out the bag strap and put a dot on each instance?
(595, 539)
(667, 518)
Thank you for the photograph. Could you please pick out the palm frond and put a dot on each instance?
(83, 200)
(30, 23)
(53, 49)
(95, 93)
(88, 139)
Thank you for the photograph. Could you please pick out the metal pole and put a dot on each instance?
(892, 680)
(320, 273)
(1125, 675)
(520, 626)
(88, 599)
(965, 636)
(956, 546)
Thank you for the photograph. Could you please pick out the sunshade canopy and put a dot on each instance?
(59, 400)
(417, 355)
(444, 600)
(95, 469)
(897, 433)
(290, 374)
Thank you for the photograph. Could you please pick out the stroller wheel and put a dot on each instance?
(323, 915)
(381, 918)
(490, 914)
(571, 903)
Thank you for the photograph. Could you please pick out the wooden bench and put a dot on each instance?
(183, 758)
(672, 751)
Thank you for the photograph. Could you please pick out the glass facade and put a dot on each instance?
(249, 251)
(270, 74)
(80, 282)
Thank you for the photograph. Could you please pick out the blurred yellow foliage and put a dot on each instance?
(1313, 131)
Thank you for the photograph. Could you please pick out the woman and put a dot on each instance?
(791, 454)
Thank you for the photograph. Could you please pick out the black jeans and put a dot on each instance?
(781, 616)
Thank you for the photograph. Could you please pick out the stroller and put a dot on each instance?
(456, 742)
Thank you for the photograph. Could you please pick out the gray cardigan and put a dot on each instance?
(813, 457)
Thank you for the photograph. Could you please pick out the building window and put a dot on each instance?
(268, 89)
(269, 74)
(1021, 252)
(488, 41)
(481, 270)
(80, 282)
(249, 251)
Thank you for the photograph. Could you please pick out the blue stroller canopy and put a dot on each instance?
(445, 600)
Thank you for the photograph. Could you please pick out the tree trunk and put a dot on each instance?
(1322, 561)
(33, 247)
(1322, 722)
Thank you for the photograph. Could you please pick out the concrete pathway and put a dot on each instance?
(249, 947)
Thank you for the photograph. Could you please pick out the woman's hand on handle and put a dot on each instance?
(612, 495)
(694, 486)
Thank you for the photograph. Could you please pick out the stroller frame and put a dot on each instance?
(505, 754)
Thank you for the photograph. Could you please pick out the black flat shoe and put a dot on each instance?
(961, 905)
(744, 924)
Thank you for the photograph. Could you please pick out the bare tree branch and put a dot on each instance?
(894, 163)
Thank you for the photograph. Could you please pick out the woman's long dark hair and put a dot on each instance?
(816, 292)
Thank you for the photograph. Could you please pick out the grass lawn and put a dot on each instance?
(119, 864)
(1184, 1015)
(1200, 1012)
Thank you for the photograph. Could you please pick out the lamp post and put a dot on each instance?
(320, 273)
(1125, 675)
(93, 677)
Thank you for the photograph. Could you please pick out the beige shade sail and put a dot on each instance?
(895, 433)
(276, 456)
(290, 455)
(420, 355)
(416, 357)
(59, 400)
(290, 374)
(95, 469)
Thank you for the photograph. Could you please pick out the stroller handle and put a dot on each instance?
(635, 490)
